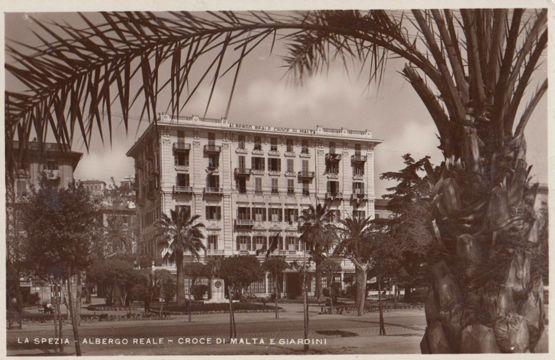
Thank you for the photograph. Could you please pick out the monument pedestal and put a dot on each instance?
(217, 291)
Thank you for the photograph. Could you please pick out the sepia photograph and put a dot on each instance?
(276, 182)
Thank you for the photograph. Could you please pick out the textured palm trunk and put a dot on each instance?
(484, 296)
(276, 293)
(180, 286)
(361, 290)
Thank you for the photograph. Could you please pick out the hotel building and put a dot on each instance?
(250, 182)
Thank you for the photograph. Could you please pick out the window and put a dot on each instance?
(332, 167)
(358, 169)
(291, 215)
(304, 147)
(257, 143)
(212, 242)
(258, 185)
(290, 167)
(180, 136)
(259, 214)
(358, 188)
(213, 181)
(257, 163)
(334, 215)
(332, 147)
(243, 213)
(211, 138)
(275, 215)
(181, 158)
(241, 142)
(242, 162)
(357, 149)
(52, 165)
(275, 189)
(274, 164)
(21, 186)
(305, 166)
(289, 145)
(244, 243)
(333, 187)
(214, 161)
(182, 179)
(290, 186)
(184, 208)
(292, 243)
(259, 242)
(359, 214)
(273, 144)
(213, 213)
(305, 188)
(241, 185)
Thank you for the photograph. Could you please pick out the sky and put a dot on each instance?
(266, 95)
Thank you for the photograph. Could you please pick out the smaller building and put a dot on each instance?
(96, 188)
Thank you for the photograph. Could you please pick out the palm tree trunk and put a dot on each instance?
(305, 308)
(189, 306)
(232, 329)
(332, 308)
(361, 290)
(74, 325)
(276, 295)
(180, 291)
(380, 306)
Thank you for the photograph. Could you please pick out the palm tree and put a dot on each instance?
(354, 244)
(473, 70)
(317, 235)
(180, 233)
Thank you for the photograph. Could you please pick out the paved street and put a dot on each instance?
(258, 333)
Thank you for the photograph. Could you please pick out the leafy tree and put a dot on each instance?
(180, 233)
(410, 228)
(275, 265)
(118, 276)
(164, 285)
(60, 226)
(195, 271)
(354, 244)
(471, 68)
(238, 272)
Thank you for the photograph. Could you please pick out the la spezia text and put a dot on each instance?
(155, 341)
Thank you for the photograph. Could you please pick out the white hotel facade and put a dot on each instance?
(249, 182)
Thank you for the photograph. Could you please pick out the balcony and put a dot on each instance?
(242, 172)
(332, 196)
(257, 152)
(333, 157)
(290, 174)
(240, 150)
(216, 191)
(304, 153)
(289, 154)
(51, 174)
(212, 252)
(306, 175)
(257, 171)
(212, 149)
(358, 158)
(358, 176)
(273, 152)
(181, 146)
(244, 222)
(180, 189)
(274, 172)
(359, 196)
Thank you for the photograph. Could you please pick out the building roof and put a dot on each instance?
(224, 125)
(52, 150)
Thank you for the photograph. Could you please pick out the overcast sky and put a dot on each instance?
(392, 111)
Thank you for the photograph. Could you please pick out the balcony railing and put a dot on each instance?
(332, 156)
(241, 150)
(358, 176)
(210, 190)
(306, 174)
(180, 189)
(289, 154)
(214, 252)
(244, 222)
(211, 148)
(359, 196)
(241, 171)
(257, 171)
(358, 158)
(258, 152)
(304, 154)
(274, 172)
(334, 196)
(273, 153)
(51, 174)
(181, 146)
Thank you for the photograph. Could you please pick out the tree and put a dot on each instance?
(275, 265)
(180, 233)
(117, 276)
(194, 271)
(409, 228)
(60, 224)
(471, 68)
(328, 268)
(354, 244)
(238, 272)
(317, 233)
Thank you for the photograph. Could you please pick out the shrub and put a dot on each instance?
(199, 291)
